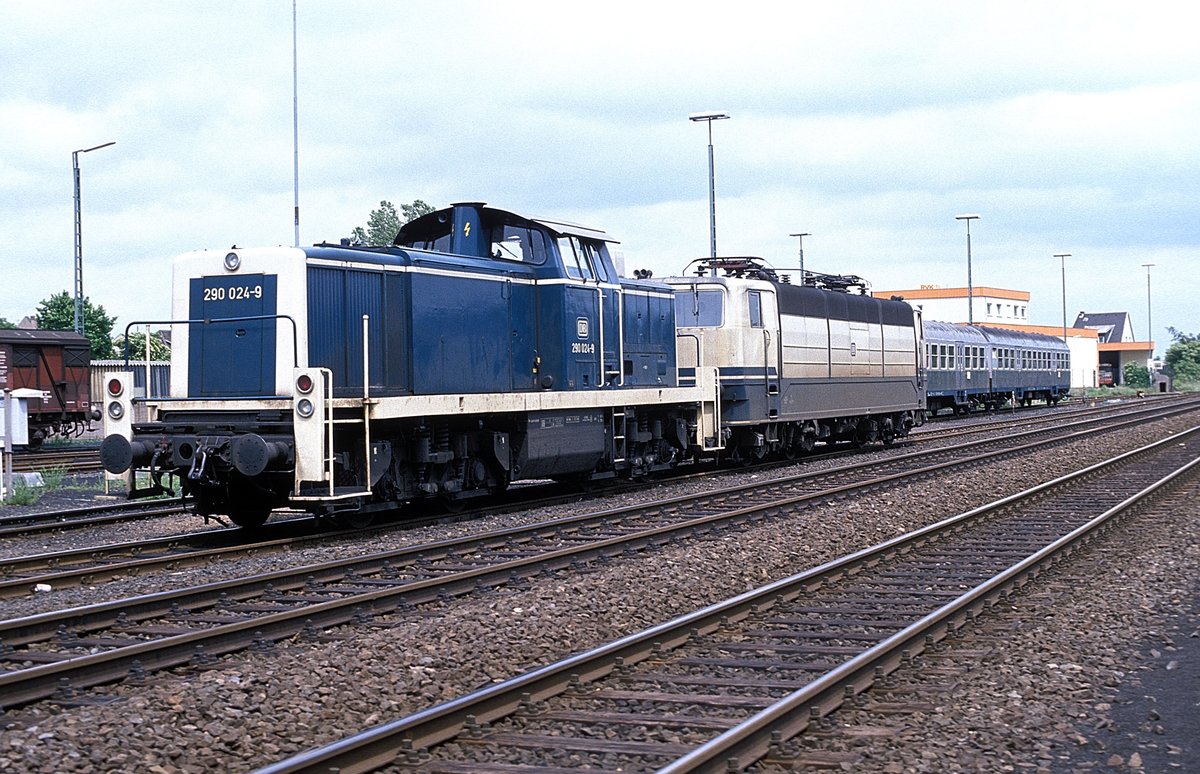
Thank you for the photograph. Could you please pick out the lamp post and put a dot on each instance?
(708, 118)
(1149, 319)
(79, 237)
(1062, 257)
(802, 254)
(970, 290)
(295, 132)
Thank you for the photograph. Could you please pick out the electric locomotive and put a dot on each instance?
(800, 364)
(481, 348)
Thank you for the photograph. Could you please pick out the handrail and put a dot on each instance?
(211, 320)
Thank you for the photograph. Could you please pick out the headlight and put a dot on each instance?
(116, 410)
(304, 407)
(232, 261)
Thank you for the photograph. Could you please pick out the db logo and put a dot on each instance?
(581, 327)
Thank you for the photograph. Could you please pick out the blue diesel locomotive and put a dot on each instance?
(482, 348)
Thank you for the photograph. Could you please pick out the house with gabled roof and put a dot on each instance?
(1117, 345)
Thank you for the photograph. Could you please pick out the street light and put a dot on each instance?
(1149, 319)
(79, 238)
(970, 291)
(801, 254)
(1062, 257)
(708, 118)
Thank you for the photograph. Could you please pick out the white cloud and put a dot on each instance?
(1068, 126)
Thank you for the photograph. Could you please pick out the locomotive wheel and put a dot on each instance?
(249, 517)
(248, 507)
(450, 504)
(354, 519)
(749, 455)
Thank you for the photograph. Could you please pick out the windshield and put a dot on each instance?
(699, 308)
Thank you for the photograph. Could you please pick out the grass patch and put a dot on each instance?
(21, 495)
(54, 478)
(1112, 392)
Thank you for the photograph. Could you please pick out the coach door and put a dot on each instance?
(761, 347)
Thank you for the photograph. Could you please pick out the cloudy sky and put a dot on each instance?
(1068, 127)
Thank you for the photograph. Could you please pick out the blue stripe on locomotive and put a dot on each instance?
(235, 358)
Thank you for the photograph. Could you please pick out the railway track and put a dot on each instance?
(85, 517)
(65, 651)
(725, 687)
(95, 564)
(1029, 418)
(72, 459)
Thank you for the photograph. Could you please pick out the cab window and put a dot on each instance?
(594, 253)
(582, 259)
(754, 298)
(699, 308)
(518, 243)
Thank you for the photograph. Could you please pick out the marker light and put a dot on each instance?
(304, 383)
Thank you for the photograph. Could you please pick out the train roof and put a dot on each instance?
(936, 330)
(1021, 338)
(434, 224)
(944, 331)
(811, 300)
(39, 336)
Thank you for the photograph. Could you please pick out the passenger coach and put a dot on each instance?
(975, 366)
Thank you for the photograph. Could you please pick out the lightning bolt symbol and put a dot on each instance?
(466, 229)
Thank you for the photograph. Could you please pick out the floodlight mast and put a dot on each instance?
(79, 321)
(1062, 258)
(801, 253)
(708, 117)
(970, 290)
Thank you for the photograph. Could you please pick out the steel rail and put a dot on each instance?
(752, 739)
(61, 577)
(111, 513)
(748, 741)
(95, 570)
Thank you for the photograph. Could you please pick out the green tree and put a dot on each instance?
(1136, 375)
(384, 222)
(1183, 357)
(159, 349)
(57, 313)
(4, 323)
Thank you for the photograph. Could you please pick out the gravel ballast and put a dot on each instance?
(253, 709)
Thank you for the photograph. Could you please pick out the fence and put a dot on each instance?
(159, 379)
